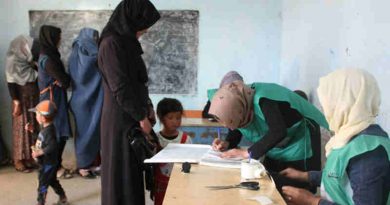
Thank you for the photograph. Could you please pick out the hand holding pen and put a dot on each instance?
(219, 144)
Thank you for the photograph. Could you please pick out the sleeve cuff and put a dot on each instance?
(315, 177)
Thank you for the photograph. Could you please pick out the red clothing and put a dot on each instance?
(162, 178)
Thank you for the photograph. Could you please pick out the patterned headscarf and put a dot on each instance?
(350, 99)
(230, 77)
(232, 105)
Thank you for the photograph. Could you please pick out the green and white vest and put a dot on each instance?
(299, 145)
(335, 184)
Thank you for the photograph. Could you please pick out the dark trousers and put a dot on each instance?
(309, 164)
(61, 148)
(47, 177)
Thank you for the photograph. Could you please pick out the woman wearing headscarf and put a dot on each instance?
(125, 102)
(53, 82)
(21, 76)
(275, 119)
(232, 135)
(357, 169)
(87, 99)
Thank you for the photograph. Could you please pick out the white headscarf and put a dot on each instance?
(350, 99)
(18, 68)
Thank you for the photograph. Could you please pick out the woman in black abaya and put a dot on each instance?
(125, 100)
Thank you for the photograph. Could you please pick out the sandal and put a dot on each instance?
(68, 174)
(87, 174)
(60, 172)
(19, 166)
(96, 170)
(23, 169)
(63, 173)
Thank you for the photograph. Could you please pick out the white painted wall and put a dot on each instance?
(322, 35)
(233, 34)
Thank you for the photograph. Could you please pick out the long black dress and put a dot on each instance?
(125, 103)
(125, 100)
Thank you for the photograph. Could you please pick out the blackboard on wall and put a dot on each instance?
(170, 46)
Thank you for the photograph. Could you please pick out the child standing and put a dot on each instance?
(46, 153)
(169, 112)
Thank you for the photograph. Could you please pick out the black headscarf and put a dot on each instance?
(131, 16)
(49, 37)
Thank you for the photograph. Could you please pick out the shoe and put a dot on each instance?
(60, 172)
(96, 172)
(19, 166)
(87, 174)
(63, 173)
(68, 174)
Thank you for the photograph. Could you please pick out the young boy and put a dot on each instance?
(170, 113)
(45, 152)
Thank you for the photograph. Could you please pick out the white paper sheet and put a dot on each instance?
(263, 200)
(213, 158)
(180, 153)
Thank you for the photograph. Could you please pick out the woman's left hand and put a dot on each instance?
(145, 125)
(17, 108)
(235, 153)
(299, 196)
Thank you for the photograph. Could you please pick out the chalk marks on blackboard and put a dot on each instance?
(170, 46)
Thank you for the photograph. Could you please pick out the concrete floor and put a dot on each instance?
(21, 189)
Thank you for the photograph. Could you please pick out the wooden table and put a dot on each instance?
(189, 189)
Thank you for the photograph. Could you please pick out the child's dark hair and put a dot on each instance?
(167, 105)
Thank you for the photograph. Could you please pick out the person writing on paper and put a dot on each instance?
(169, 112)
(357, 169)
(274, 118)
(232, 135)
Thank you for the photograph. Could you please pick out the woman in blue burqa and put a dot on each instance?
(87, 99)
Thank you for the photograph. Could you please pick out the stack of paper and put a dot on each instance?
(213, 158)
(180, 153)
(193, 153)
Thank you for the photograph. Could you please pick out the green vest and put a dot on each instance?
(211, 93)
(299, 145)
(335, 181)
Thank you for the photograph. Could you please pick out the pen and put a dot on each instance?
(250, 156)
(219, 133)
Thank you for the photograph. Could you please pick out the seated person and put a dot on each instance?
(357, 170)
